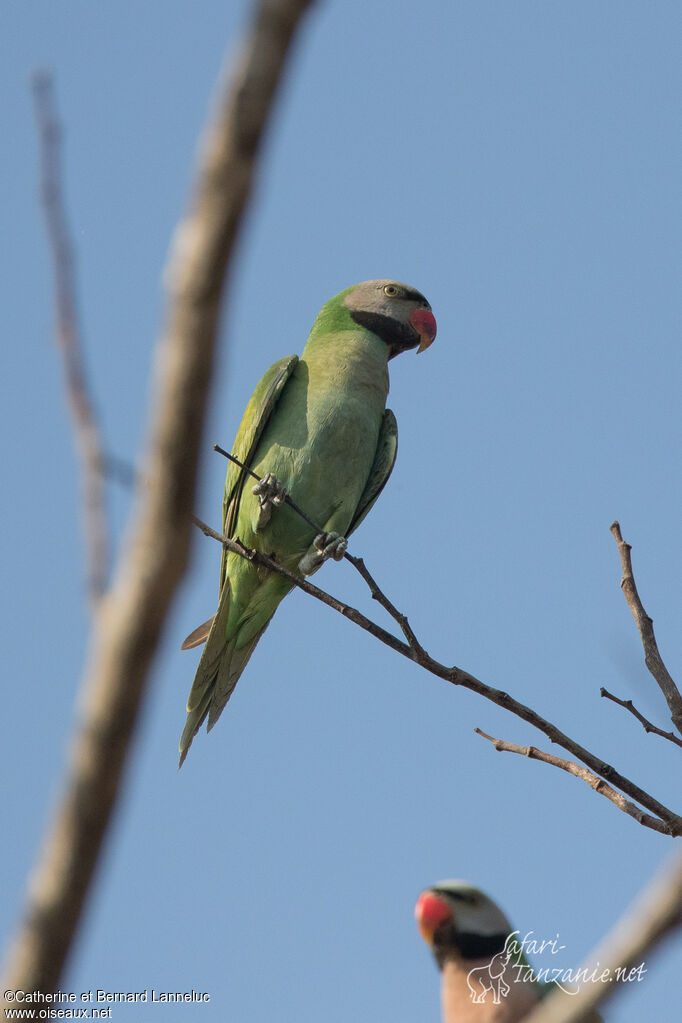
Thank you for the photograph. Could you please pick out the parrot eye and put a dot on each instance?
(391, 290)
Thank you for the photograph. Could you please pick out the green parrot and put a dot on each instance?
(316, 428)
(485, 976)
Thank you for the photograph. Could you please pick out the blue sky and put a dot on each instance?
(520, 164)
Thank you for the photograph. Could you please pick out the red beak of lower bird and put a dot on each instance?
(430, 913)
(424, 322)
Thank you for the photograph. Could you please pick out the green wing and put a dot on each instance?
(382, 467)
(258, 411)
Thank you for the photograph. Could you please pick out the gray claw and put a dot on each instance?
(269, 492)
(331, 545)
(324, 546)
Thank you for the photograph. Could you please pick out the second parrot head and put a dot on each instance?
(460, 921)
(397, 313)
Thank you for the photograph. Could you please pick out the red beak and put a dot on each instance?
(430, 913)
(424, 322)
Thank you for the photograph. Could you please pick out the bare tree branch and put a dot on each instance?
(670, 822)
(665, 821)
(86, 428)
(646, 724)
(128, 626)
(591, 779)
(645, 625)
(652, 917)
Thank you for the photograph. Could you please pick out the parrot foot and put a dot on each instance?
(323, 547)
(269, 492)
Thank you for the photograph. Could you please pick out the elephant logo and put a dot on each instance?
(490, 978)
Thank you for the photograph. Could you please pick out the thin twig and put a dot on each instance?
(414, 651)
(254, 475)
(129, 624)
(85, 424)
(646, 724)
(418, 653)
(654, 915)
(589, 777)
(645, 625)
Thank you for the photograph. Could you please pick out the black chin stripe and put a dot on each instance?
(397, 336)
(469, 946)
(478, 946)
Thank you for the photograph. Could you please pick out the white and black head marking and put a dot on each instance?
(467, 925)
(386, 308)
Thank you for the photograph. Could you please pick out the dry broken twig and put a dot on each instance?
(655, 914)
(86, 427)
(591, 779)
(129, 624)
(645, 625)
(646, 724)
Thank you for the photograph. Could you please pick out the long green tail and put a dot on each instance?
(218, 672)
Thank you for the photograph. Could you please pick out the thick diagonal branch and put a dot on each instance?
(656, 913)
(645, 625)
(131, 616)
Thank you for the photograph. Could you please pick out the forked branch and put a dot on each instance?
(645, 625)
(660, 817)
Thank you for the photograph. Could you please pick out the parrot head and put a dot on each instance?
(459, 921)
(398, 314)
